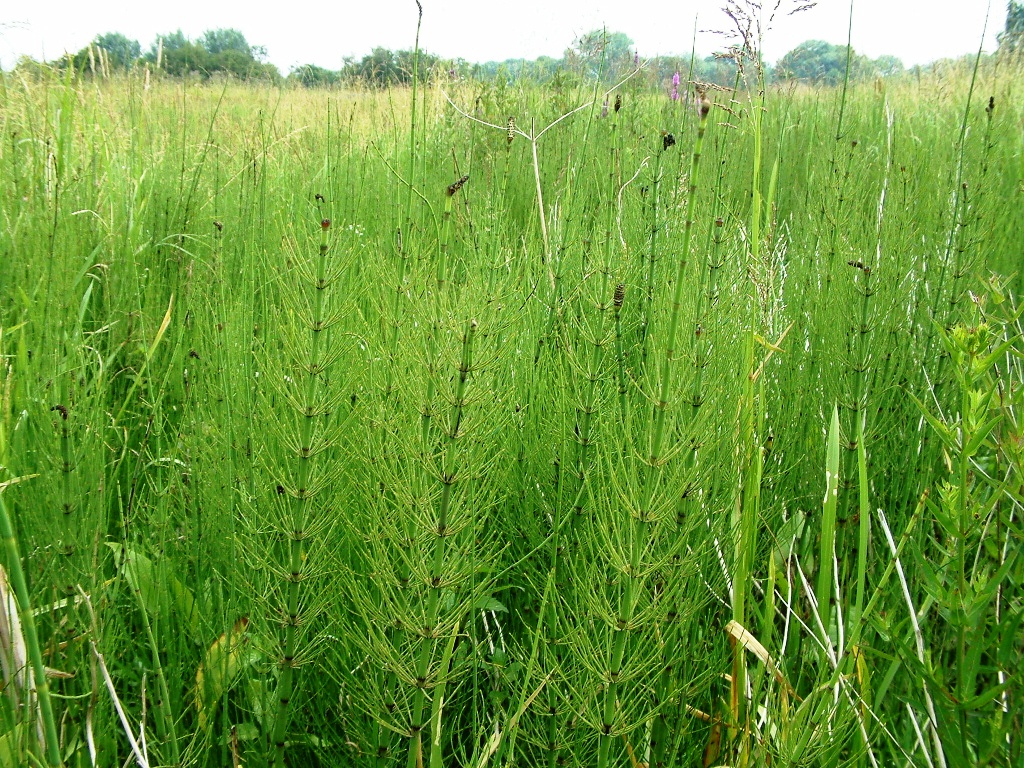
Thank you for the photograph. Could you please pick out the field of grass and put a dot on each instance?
(482, 425)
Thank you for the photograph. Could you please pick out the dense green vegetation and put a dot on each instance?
(495, 424)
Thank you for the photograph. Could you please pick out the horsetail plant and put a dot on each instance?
(423, 557)
(589, 332)
(634, 546)
(304, 380)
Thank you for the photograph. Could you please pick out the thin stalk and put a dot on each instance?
(652, 255)
(412, 117)
(28, 624)
(750, 457)
(828, 525)
(396, 309)
(617, 301)
(540, 206)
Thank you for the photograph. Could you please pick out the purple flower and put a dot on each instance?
(636, 58)
(675, 80)
(675, 87)
(604, 109)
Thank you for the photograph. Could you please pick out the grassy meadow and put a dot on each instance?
(489, 425)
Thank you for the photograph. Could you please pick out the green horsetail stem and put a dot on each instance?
(447, 477)
(617, 301)
(298, 501)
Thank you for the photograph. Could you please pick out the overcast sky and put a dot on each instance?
(323, 33)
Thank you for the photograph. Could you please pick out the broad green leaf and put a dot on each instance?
(220, 668)
(486, 603)
(13, 746)
(145, 578)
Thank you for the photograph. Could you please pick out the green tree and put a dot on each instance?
(218, 50)
(121, 51)
(217, 41)
(379, 67)
(816, 61)
(312, 76)
(887, 66)
(383, 67)
(1012, 36)
(177, 55)
(600, 51)
(720, 70)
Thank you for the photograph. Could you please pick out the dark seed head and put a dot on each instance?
(620, 295)
(453, 188)
(667, 140)
(325, 224)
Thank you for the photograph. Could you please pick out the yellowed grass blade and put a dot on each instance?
(751, 643)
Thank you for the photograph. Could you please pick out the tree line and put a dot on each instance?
(609, 56)
(217, 51)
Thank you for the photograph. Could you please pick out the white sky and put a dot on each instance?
(322, 32)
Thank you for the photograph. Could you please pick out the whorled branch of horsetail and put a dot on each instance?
(661, 730)
(952, 251)
(403, 271)
(617, 301)
(585, 414)
(448, 477)
(667, 141)
(639, 523)
(28, 624)
(446, 230)
(298, 510)
(426, 415)
(396, 308)
(706, 301)
(659, 414)
(571, 485)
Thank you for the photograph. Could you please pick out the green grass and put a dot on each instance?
(718, 463)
